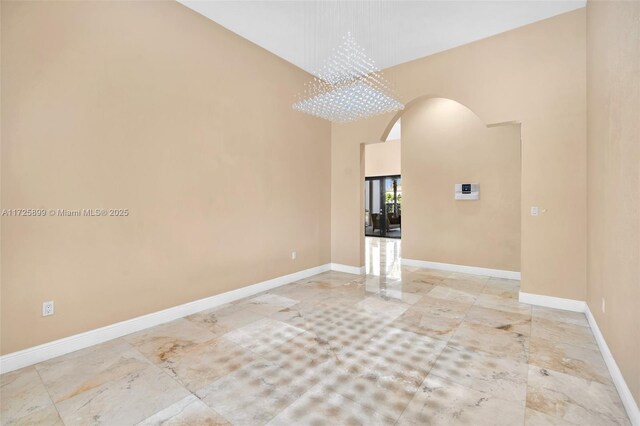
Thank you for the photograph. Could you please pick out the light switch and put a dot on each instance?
(534, 211)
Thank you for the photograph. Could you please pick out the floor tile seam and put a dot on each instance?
(356, 402)
(587, 326)
(611, 387)
(608, 375)
(435, 361)
(164, 371)
(262, 355)
(46, 388)
(203, 327)
(144, 360)
(524, 401)
(466, 314)
(592, 346)
(552, 416)
(432, 364)
(475, 303)
(184, 408)
(275, 348)
(321, 384)
(473, 292)
(149, 364)
(179, 412)
(530, 334)
(508, 297)
(195, 393)
(504, 312)
(205, 387)
(465, 319)
(286, 407)
(455, 347)
(216, 337)
(526, 393)
(490, 393)
(523, 365)
(572, 345)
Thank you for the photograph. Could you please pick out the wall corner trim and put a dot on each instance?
(26, 357)
(358, 270)
(552, 302)
(473, 270)
(626, 396)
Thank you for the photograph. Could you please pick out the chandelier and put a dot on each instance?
(348, 87)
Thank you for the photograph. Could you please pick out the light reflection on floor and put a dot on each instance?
(383, 257)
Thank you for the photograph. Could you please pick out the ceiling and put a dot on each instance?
(391, 32)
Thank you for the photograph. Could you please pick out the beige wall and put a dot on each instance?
(613, 87)
(151, 107)
(382, 159)
(445, 143)
(534, 75)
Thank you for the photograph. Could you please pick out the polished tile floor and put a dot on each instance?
(398, 345)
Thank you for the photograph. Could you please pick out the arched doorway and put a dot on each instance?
(444, 143)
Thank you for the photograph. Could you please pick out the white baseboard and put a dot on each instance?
(474, 270)
(552, 302)
(621, 385)
(36, 354)
(348, 269)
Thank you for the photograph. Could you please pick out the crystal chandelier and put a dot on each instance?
(348, 87)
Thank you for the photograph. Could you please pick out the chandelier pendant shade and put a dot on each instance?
(348, 87)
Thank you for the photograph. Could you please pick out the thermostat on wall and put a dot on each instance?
(467, 191)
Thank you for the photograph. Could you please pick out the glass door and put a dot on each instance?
(383, 206)
(373, 209)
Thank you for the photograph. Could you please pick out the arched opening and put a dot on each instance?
(444, 144)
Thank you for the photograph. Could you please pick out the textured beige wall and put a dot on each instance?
(535, 75)
(613, 87)
(151, 107)
(445, 143)
(382, 159)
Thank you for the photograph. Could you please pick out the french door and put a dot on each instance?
(383, 206)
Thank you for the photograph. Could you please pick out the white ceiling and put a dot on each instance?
(391, 32)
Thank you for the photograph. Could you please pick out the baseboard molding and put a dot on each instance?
(348, 269)
(616, 375)
(552, 302)
(473, 270)
(36, 354)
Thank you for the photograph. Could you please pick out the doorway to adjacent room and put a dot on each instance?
(383, 206)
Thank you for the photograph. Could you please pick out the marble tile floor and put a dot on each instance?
(397, 345)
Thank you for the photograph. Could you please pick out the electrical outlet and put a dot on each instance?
(534, 211)
(47, 308)
(293, 255)
(603, 306)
